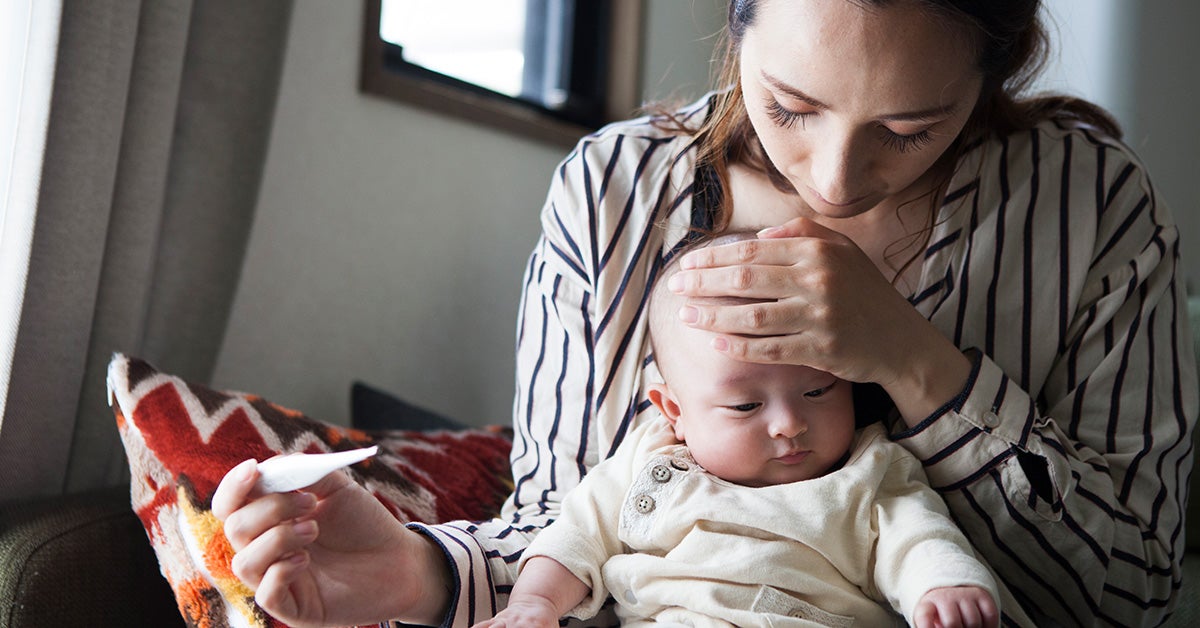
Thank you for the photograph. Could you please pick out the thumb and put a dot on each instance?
(799, 227)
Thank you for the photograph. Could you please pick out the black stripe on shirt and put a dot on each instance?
(988, 520)
(1027, 264)
(990, 335)
(1064, 237)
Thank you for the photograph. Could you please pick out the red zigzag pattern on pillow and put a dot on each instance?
(182, 438)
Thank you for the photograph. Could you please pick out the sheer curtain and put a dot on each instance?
(154, 149)
(28, 42)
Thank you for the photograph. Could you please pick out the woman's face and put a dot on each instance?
(853, 105)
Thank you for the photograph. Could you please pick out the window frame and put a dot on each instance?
(436, 92)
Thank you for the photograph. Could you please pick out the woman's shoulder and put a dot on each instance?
(620, 182)
(660, 138)
(1065, 142)
(1061, 162)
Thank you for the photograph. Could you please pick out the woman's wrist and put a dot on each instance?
(931, 375)
(424, 579)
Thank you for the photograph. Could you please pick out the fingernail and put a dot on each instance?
(720, 344)
(769, 231)
(688, 261)
(308, 501)
(244, 469)
(675, 283)
(689, 314)
(307, 527)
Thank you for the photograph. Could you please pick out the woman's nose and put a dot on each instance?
(836, 167)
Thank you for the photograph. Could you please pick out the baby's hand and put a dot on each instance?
(526, 612)
(956, 607)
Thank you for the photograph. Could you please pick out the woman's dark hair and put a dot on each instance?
(1011, 44)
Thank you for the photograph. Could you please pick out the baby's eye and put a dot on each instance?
(818, 392)
(745, 407)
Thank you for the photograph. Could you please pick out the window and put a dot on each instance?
(550, 69)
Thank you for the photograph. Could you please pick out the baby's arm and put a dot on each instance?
(953, 607)
(544, 591)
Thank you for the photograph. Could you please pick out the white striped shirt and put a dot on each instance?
(1052, 264)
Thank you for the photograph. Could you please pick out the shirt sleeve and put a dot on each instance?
(1074, 493)
(553, 411)
(919, 548)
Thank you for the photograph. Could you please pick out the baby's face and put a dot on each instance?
(755, 424)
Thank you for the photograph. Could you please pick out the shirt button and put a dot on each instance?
(660, 473)
(990, 419)
(679, 464)
(643, 503)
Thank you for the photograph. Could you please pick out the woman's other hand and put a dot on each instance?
(825, 305)
(330, 554)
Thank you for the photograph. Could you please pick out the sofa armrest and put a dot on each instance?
(80, 560)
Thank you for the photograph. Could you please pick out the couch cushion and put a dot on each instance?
(80, 560)
(181, 438)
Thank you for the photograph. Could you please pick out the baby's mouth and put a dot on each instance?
(795, 457)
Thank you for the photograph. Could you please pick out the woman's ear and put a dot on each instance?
(662, 399)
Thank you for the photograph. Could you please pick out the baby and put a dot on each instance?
(752, 501)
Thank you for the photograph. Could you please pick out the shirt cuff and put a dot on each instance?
(471, 599)
(982, 427)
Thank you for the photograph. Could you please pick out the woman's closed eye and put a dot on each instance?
(906, 143)
(784, 117)
(899, 142)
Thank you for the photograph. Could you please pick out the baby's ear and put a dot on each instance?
(662, 399)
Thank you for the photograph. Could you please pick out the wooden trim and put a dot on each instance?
(625, 60)
(495, 110)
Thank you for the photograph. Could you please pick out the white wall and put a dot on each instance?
(389, 242)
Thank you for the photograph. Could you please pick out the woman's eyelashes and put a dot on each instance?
(786, 118)
(906, 143)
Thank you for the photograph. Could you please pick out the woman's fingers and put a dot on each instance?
(234, 489)
(775, 246)
(747, 282)
(274, 588)
(800, 227)
(254, 519)
(762, 318)
(279, 544)
(763, 349)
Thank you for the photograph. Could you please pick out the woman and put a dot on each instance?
(1001, 268)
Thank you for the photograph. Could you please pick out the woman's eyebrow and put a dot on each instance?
(792, 91)
(920, 115)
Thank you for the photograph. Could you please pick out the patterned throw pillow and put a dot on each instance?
(181, 439)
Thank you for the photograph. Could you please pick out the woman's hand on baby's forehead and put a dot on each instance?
(775, 246)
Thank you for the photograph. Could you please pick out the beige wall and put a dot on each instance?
(389, 243)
